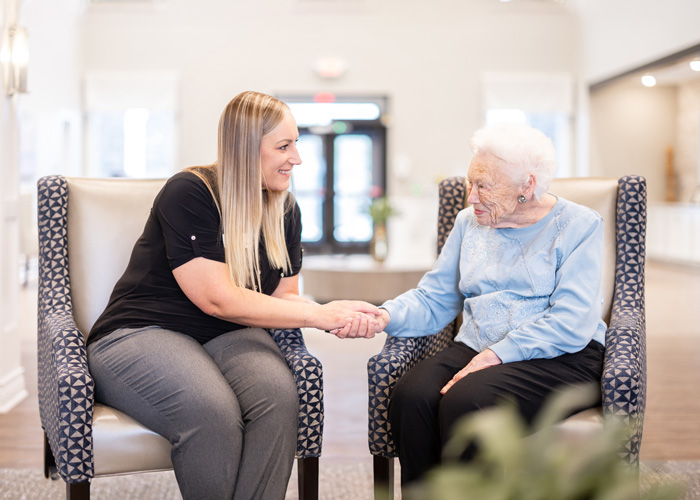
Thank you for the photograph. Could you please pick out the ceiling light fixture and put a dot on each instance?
(648, 81)
(695, 64)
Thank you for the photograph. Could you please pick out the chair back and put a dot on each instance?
(600, 194)
(105, 217)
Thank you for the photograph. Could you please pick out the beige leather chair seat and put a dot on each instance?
(122, 445)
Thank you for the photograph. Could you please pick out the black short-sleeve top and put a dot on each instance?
(183, 224)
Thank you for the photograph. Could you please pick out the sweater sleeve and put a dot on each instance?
(573, 318)
(436, 300)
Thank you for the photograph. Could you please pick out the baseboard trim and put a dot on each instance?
(13, 390)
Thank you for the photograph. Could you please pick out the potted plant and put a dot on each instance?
(379, 210)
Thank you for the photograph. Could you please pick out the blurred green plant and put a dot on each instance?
(518, 462)
(380, 210)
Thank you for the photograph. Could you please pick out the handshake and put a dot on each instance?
(350, 318)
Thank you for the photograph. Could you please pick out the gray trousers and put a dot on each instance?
(229, 407)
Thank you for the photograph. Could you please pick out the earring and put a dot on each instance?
(522, 199)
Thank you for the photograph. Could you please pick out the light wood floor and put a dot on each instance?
(672, 423)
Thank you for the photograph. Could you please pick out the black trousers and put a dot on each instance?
(422, 419)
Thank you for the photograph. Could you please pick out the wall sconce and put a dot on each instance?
(14, 57)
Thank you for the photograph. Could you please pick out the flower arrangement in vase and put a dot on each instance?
(379, 210)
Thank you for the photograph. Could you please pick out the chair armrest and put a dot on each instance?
(384, 369)
(66, 395)
(624, 376)
(624, 371)
(308, 373)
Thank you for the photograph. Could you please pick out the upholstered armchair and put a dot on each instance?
(87, 228)
(622, 204)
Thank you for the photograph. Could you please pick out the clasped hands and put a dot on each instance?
(358, 320)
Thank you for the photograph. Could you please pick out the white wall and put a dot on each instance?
(50, 112)
(426, 57)
(12, 382)
(621, 35)
(631, 127)
(35, 129)
(687, 147)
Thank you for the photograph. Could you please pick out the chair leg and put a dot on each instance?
(78, 491)
(383, 478)
(307, 477)
(50, 471)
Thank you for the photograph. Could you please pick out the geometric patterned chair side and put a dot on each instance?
(624, 373)
(400, 354)
(308, 373)
(66, 388)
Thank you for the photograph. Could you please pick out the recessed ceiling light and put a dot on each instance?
(695, 65)
(648, 81)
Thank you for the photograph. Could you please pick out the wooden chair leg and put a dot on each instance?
(383, 478)
(78, 491)
(307, 476)
(49, 462)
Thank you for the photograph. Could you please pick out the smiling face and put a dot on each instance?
(279, 154)
(492, 193)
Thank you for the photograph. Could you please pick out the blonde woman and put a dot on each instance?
(180, 346)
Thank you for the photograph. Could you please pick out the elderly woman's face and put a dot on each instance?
(492, 192)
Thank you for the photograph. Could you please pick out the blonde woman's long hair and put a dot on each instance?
(235, 181)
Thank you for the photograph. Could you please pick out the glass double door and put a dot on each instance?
(334, 185)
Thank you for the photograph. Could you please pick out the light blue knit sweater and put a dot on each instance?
(531, 292)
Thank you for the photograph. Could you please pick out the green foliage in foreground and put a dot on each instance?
(514, 464)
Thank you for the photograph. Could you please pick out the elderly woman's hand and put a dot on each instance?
(479, 362)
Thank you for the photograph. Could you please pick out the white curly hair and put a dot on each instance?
(523, 149)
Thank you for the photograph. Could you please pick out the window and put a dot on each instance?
(342, 145)
(542, 100)
(135, 142)
(131, 124)
(554, 125)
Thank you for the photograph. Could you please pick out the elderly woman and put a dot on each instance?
(524, 268)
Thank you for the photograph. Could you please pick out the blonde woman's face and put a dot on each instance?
(279, 154)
